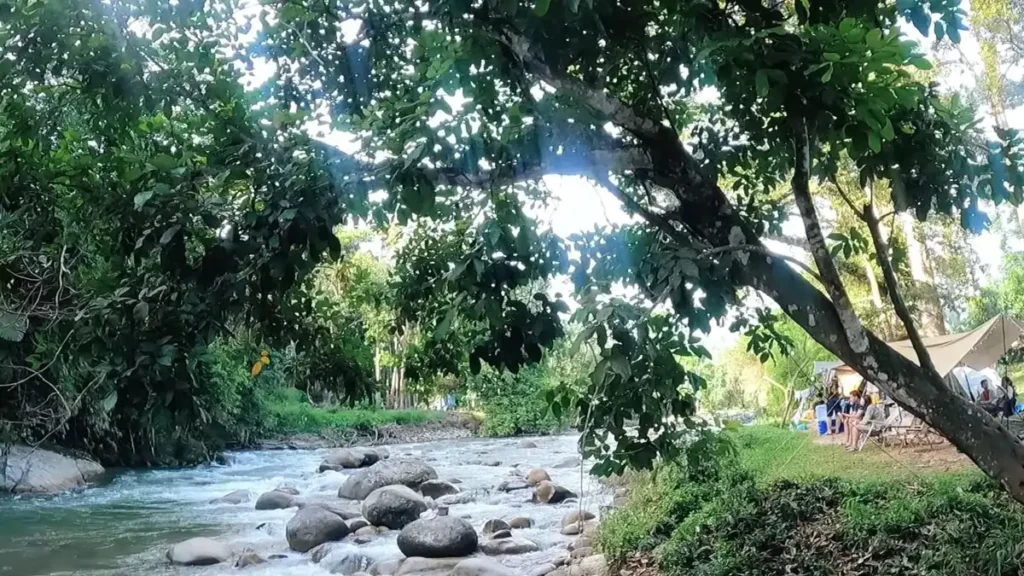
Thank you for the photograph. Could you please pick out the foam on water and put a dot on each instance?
(125, 527)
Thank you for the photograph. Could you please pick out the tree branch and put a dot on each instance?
(762, 250)
(892, 286)
(852, 327)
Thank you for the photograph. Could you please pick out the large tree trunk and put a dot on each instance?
(931, 320)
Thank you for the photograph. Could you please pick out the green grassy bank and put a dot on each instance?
(776, 503)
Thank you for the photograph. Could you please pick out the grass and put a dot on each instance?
(775, 453)
(781, 503)
(292, 414)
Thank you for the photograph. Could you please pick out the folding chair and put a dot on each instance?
(877, 431)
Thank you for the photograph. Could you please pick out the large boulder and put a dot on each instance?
(357, 523)
(386, 567)
(481, 567)
(312, 526)
(25, 470)
(550, 493)
(569, 463)
(199, 552)
(347, 510)
(409, 473)
(393, 506)
(438, 488)
(527, 444)
(576, 517)
(275, 500)
(590, 566)
(349, 458)
(236, 497)
(440, 537)
(508, 546)
(536, 476)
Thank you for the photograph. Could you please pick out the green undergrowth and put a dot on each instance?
(738, 515)
(292, 414)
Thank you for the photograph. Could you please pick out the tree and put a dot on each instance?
(801, 89)
(461, 107)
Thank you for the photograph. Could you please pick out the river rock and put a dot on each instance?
(427, 566)
(365, 535)
(275, 500)
(224, 459)
(393, 506)
(481, 567)
(586, 528)
(356, 523)
(409, 473)
(249, 559)
(560, 560)
(288, 490)
(520, 522)
(542, 570)
(508, 546)
(460, 498)
(536, 476)
(501, 534)
(590, 566)
(347, 510)
(454, 481)
(440, 537)
(550, 493)
(27, 471)
(312, 526)
(347, 564)
(495, 525)
(582, 552)
(581, 542)
(569, 463)
(438, 488)
(236, 497)
(349, 458)
(199, 552)
(527, 444)
(512, 485)
(319, 552)
(576, 517)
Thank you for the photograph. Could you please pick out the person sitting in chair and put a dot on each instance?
(861, 420)
(987, 399)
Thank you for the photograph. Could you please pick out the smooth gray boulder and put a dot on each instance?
(393, 506)
(481, 567)
(409, 473)
(347, 510)
(275, 500)
(576, 517)
(440, 537)
(508, 546)
(521, 522)
(249, 558)
(25, 470)
(347, 563)
(536, 476)
(350, 458)
(199, 552)
(569, 463)
(357, 523)
(313, 526)
(438, 488)
(236, 497)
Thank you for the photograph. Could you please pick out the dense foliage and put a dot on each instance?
(721, 519)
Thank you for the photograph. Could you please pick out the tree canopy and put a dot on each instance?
(703, 118)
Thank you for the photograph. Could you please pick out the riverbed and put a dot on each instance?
(125, 526)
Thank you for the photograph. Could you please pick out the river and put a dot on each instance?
(125, 526)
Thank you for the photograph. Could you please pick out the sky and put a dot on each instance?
(580, 206)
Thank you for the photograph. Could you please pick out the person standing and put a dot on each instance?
(1009, 397)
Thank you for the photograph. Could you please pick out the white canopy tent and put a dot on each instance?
(977, 350)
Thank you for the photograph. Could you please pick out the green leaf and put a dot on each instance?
(164, 162)
(940, 31)
(874, 39)
(828, 73)
(920, 63)
(12, 326)
(109, 402)
(168, 234)
(761, 82)
(831, 56)
(574, 5)
(541, 7)
(445, 325)
(141, 198)
(141, 311)
(887, 130)
(874, 141)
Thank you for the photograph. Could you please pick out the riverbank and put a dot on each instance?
(782, 503)
(311, 428)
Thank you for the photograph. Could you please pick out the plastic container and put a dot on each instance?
(821, 412)
(822, 427)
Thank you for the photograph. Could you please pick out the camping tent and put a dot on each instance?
(979, 349)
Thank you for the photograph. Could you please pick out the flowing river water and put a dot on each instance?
(125, 526)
